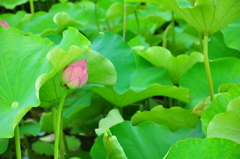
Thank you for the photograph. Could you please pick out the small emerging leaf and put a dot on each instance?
(112, 146)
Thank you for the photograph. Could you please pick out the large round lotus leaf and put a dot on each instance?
(56, 20)
(113, 47)
(204, 148)
(27, 62)
(223, 71)
(11, 4)
(217, 48)
(174, 118)
(219, 105)
(176, 66)
(231, 34)
(206, 16)
(13, 19)
(227, 125)
(149, 81)
(147, 140)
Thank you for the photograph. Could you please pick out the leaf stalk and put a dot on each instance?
(17, 142)
(207, 66)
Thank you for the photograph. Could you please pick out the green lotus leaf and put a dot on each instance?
(149, 81)
(231, 34)
(113, 47)
(59, 17)
(72, 142)
(204, 148)
(11, 4)
(225, 87)
(85, 112)
(113, 118)
(46, 122)
(115, 10)
(147, 25)
(206, 16)
(30, 128)
(41, 147)
(80, 100)
(3, 145)
(174, 118)
(219, 105)
(147, 140)
(226, 125)
(217, 48)
(176, 66)
(197, 75)
(13, 19)
(202, 106)
(27, 63)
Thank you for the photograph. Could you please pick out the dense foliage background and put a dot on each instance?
(163, 76)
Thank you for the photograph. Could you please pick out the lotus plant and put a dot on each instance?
(74, 76)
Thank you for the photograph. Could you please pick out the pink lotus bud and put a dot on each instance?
(4, 24)
(75, 75)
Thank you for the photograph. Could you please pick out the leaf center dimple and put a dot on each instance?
(15, 104)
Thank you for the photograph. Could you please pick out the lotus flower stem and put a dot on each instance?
(17, 142)
(61, 140)
(207, 67)
(59, 122)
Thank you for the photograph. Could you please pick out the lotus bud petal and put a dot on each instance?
(4, 24)
(75, 75)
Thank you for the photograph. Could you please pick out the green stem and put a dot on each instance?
(61, 140)
(65, 144)
(31, 6)
(27, 146)
(96, 20)
(164, 44)
(17, 142)
(207, 67)
(138, 25)
(124, 21)
(173, 32)
(58, 123)
(200, 40)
